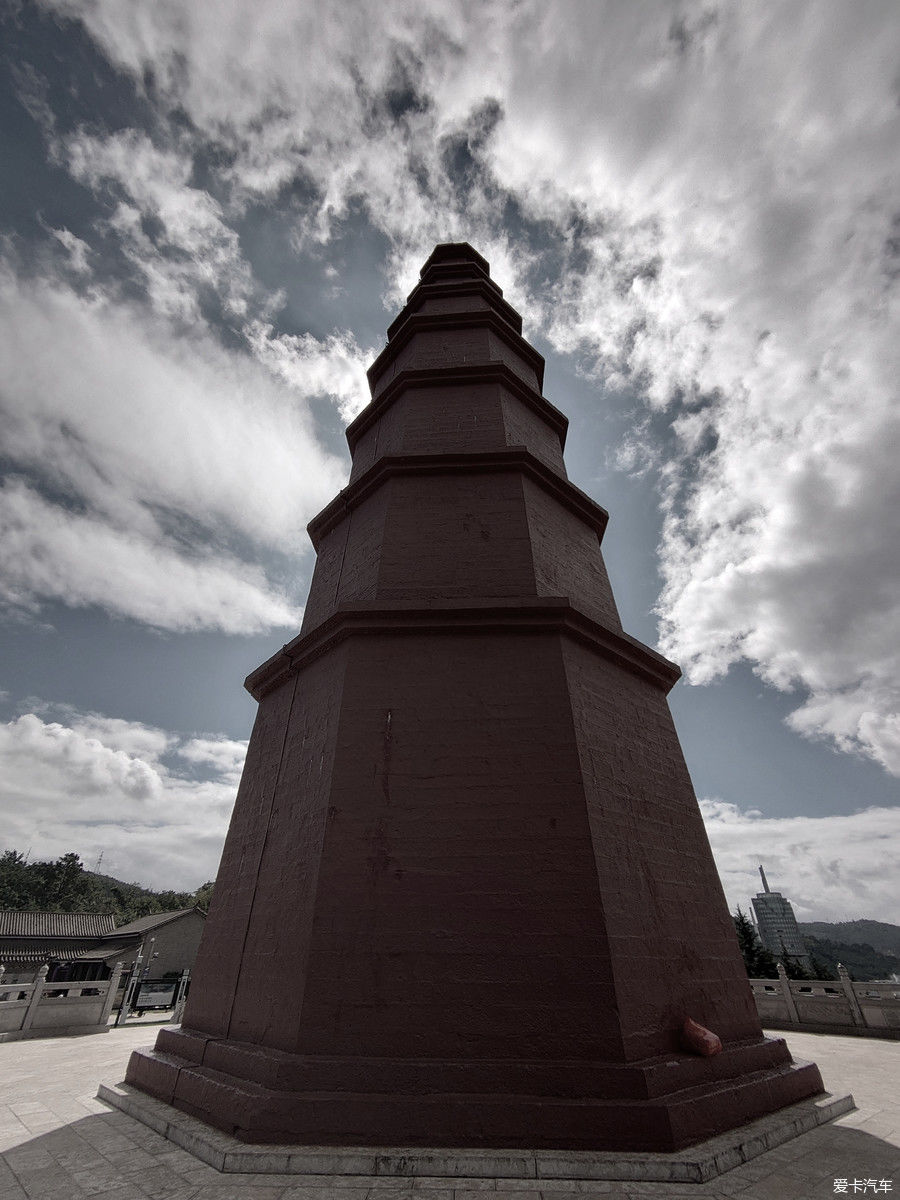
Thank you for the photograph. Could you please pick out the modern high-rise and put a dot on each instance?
(777, 925)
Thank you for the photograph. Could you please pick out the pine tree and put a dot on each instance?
(759, 963)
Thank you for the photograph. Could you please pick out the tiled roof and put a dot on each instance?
(143, 924)
(109, 949)
(45, 951)
(28, 923)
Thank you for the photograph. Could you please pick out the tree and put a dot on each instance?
(203, 895)
(169, 901)
(861, 960)
(759, 962)
(66, 887)
(820, 970)
(18, 883)
(793, 969)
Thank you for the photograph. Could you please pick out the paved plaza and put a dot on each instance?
(60, 1143)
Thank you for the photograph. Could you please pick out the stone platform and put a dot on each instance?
(697, 1164)
(59, 1142)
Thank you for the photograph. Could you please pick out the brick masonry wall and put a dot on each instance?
(523, 427)
(469, 346)
(458, 909)
(470, 418)
(567, 557)
(348, 560)
(250, 971)
(455, 536)
(422, 420)
(672, 943)
(469, 302)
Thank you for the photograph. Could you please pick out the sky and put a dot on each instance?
(210, 213)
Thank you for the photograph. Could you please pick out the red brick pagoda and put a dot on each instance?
(467, 897)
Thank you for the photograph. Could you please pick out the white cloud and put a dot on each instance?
(335, 367)
(97, 783)
(77, 250)
(740, 199)
(834, 868)
(133, 738)
(194, 249)
(223, 755)
(51, 553)
(709, 194)
(195, 255)
(168, 458)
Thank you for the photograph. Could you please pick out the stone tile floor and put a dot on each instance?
(59, 1142)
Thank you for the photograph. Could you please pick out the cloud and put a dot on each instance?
(224, 756)
(51, 553)
(99, 783)
(159, 468)
(698, 201)
(333, 367)
(133, 738)
(835, 868)
(77, 250)
(190, 249)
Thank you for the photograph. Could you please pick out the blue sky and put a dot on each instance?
(211, 213)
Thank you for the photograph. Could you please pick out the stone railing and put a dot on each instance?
(38, 1008)
(819, 1005)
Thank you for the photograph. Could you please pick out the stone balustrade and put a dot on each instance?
(37, 1008)
(830, 1005)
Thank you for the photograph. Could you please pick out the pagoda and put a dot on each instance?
(467, 897)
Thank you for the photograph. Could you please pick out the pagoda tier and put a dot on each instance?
(467, 898)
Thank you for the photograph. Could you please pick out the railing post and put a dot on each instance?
(785, 985)
(181, 997)
(39, 980)
(852, 999)
(111, 993)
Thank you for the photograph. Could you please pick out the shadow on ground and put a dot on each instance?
(110, 1155)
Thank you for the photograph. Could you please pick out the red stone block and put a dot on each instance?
(467, 896)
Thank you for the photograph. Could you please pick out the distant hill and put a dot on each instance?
(878, 934)
(868, 949)
(860, 959)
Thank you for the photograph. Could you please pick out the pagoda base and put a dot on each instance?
(664, 1104)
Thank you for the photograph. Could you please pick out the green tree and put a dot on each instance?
(758, 961)
(203, 895)
(861, 960)
(18, 884)
(820, 970)
(172, 901)
(793, 969)
(66, 886)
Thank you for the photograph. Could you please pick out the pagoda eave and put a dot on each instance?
(540, 615)
(447, 323)
(515, 458)
(495, 373)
